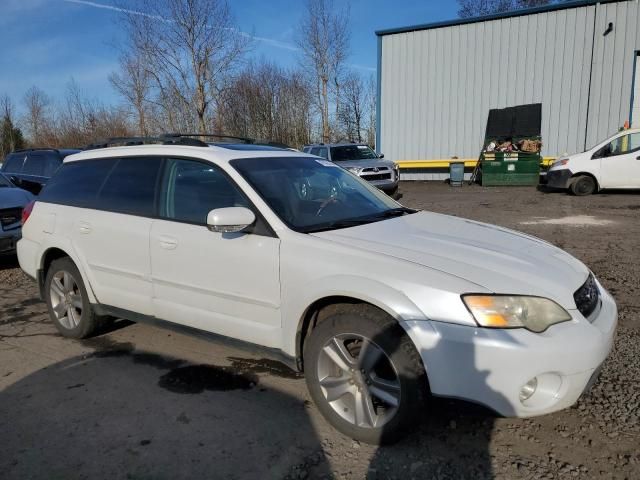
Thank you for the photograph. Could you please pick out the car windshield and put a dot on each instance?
(347, 153)
(312, 195)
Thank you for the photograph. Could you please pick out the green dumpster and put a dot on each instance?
(510, 168)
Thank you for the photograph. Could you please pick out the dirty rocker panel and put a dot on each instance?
(252, 348)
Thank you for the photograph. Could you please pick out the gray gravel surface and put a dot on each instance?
(139, 402)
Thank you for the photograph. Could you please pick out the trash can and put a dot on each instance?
(456, 173)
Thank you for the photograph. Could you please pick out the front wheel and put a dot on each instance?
(583, 185)
(364, 374)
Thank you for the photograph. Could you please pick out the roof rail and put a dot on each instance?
(35, 149)
(161, 140)
(208, 135)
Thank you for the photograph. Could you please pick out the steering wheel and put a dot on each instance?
(325, 204)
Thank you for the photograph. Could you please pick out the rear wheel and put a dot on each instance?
(68, 302)
(583, 185)
(364, 374)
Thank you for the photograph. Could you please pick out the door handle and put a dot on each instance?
(168, 243)
(84, 227)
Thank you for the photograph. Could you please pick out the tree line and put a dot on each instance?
(185, 66)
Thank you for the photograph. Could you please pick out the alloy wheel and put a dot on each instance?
(66, 299)
(358, 380)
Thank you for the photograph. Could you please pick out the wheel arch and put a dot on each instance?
(584, 174)
(374, 294)
(54, 252)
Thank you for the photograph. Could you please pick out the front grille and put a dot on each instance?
(10, 216)
(587, 297)
(378, 176)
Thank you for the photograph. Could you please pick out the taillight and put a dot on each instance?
(26, 211)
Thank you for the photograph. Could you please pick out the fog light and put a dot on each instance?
(528, 389)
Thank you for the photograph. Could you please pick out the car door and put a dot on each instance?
(226, 283)
(112, 236)
(620, 162)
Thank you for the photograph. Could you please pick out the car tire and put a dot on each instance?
(583, 185)
(379, 395)
(392, 191)
(68, 302)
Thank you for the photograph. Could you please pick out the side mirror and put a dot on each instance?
(381, 155)
(230, 219)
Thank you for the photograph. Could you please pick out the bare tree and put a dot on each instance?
(372, 105)
(81, 120)
(190, 47)
(36, 117)
(323, 38)
(268, 102)
(353, 106)
(475, 8)
(133, 83)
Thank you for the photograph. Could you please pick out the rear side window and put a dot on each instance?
(130, 187)
(13, 163)
(41, 164)
(77, 183)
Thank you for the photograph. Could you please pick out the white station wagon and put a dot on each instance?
(378, 304)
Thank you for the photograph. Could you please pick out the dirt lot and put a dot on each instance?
(139, 402)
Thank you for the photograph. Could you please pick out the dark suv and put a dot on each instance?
(30, 169)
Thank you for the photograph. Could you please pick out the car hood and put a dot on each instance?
(498, 259)
(374, 162)
(14, 197)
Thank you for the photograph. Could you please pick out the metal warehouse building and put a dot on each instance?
(437, 82)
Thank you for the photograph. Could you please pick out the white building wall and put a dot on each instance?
(438, 85)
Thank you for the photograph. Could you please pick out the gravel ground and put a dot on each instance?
(138, 402)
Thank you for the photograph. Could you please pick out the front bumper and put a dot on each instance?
(559, 178)
(490, 366)
(387, 184)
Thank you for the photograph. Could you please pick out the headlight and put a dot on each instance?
(355, 170)
(513, 311)
(559, 163)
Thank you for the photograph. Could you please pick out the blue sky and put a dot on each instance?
(47, 42)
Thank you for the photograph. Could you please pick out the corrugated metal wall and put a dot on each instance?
(438, 85)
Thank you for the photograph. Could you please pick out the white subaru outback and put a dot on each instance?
(378, 304)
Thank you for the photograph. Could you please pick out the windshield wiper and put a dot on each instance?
(396, 212)
(354, 222)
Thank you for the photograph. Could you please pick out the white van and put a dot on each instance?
(613, 163)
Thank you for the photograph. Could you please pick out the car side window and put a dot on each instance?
(131, 186)
(35, 164)
(324, 153)
(622, 145)
(191, 189)
(314, 151)
(13, 163)
(77, 183)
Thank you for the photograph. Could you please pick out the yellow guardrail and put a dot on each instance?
(439, 163)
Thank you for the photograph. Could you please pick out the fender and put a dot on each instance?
(297, 302)
(65, 244)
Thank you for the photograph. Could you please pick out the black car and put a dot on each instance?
(12, 202)
(30, 169)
